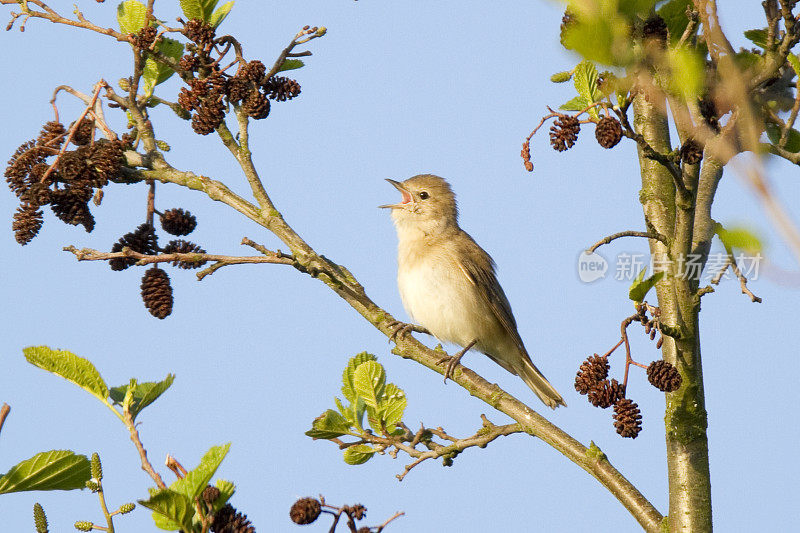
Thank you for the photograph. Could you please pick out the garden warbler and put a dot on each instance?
(448, 284)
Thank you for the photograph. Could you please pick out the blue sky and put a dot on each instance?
(394, 89)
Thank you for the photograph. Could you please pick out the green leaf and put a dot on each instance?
(131, 15)
(347, 376)
(601, 38)
(329, 425)
(369, 380)
(634, 8)
(226, 490)
(792, 140)
(344, 411)
(358, 455)
(171, 510)
(674, 15)
(757, 37)
(196, 480)
(585, 80)
(155, 73)
(143, 395)
(219, 15)
(561, 77)
(53, 470)
(291, 64)
(640, 287)
(192, 9)
(688, 72)
(739, 237)
(578, 103)
(70, 367)
(394, 404)
(794, 62)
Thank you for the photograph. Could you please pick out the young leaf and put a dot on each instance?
(226, 490)
(344, 411)
(792, 140)
(585, 80)
(196, 480)
(688, 72)
(394, 403)
(193, 9)
(208, 8)
(641, 287)
(171, 511)
(155, 73)
(578, 103)
(359, 454)
(328, 425)
(53, 470)
(674, 15)
(347, 376)
(143, 395)
(131, 15)
(291, 64)
(757, 37)
(219, 15)
(369, 380)
(70, 367)
(739, 237)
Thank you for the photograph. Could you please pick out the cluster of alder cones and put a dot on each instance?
(156, 288)
(592, 381)
(205, 98)
(306, 511)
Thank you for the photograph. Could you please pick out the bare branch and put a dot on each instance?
(629, 233)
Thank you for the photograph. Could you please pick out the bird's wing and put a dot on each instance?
(481, 274)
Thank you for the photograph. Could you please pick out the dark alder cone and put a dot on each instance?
(70, 206)
(564, 132)
(27, 223)
(210, 494)
(364, 529)
(253, 71)
(141, 240)
(591, 373)
(216, 83)
(627, 418)
(655, 30)
(105, 159)
(22, 163)
(239, 88)
(608, 132)
(663, 376)
(83, 133)
(180, 246)
(199, 32)
(281, 89)
(256, 105)
(178, 222)
(606, 393)
(157, 292)
(189, 63)
(708, 109)
(37, 193)
(52, 134)
(229, 520)
(209, 115)
(144, 37)
(71, 165)
(691, 152)
(358, 511)
(305, 510)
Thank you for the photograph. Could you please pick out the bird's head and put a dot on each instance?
(428, 204)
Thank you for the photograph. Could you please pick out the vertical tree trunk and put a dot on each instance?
(686, 417)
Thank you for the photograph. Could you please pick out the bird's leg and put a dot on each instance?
(453, 360)
(402, 329)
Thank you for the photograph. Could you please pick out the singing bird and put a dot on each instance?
(448, 283)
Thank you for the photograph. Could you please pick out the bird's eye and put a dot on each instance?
(424, 195)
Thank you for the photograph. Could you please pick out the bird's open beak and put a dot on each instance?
(406, 196)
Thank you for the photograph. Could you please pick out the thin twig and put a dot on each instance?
(629, 233)
(146, 465)
(396, 515)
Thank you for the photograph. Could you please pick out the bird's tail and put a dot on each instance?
(539, 384)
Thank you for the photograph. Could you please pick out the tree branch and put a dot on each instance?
(629, 233)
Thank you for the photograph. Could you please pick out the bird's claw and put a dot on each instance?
(453, 360)
(402, 329)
